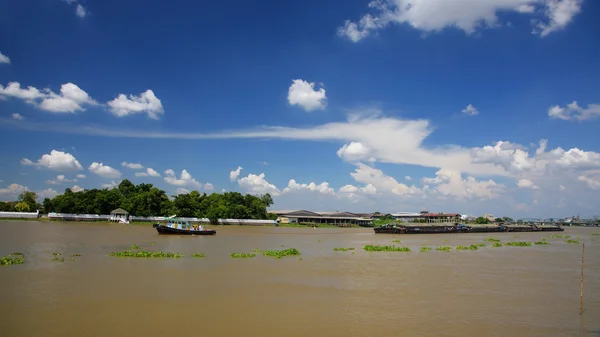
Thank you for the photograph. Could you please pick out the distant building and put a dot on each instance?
(331, 218)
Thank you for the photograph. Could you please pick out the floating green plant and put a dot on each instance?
(375, 248)
(281, 253)
(319, 240)
(135, 247)
(153, 243)
(443, 248)
(342, 249)
(519, 244)
(595, 234)
(242, 255)
(396, 241)
(470, 247)
(542, 242)
(8, 260)
(492, 240)
(480, 245)
(199, 255)
(497, 244)
(142, 253)
(425, 249)
(567, 236)
(74, 255)
(55, 258)
(572, 241)
(555, 236)
(257, 250)
(56, 253)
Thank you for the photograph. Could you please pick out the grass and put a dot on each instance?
(492, 240)
(198, 255)
(542, 242)
(497, 244)
(143, 253)
(281, 253)
(376, 248)
(471, 247)
(9, 260)
(443, 248)
(425, 249)
(519, 244)
(572, 241)
(242, 255)
(342, 249)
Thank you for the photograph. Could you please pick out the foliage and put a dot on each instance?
(471, 247)
(147, 200)
(134, 247)
(519, 243)
(143, 253)
(342, 249)
(481, 220)
(497, 244)
(198, 255)
(425, 249)
(572, 241)
(376, 248)
(242, 255)
(22, 207)
(10, 260)
(555, 236)
(542, 242)
(281, 253)
(492, 240)
(443, 248)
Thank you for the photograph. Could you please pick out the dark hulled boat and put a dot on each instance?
(181, 227)
(462, 228)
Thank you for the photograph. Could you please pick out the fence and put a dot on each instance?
(19, 215)
(96, 217)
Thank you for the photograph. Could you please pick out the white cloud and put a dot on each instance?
(257, 184)
(47, 193)
(356, 151)
(451, 183)
(181, 190)
(11, 192)
(302, 93)
(407, 178)
(104, 171)
(134, 166)
(111, 185)
(76, 188)
(348, 189)
(17, 116)
(592, 182)
(322, 188)
(150, 172)
(470, 110)
(146, 102)
(60, 179)
(233, 175)
(71, 98)
(80, 11)
(466, 15)
(56, 161)
(80, 176)
(527, 184)
(562, 188)
(4, 59)
(574, 112)
(209, 187)
(185, 179)
(376, 178)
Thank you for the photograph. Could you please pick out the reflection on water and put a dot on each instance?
(506, 291)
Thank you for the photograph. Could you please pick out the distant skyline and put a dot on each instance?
(385, 105)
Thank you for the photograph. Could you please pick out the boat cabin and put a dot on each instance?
(182, 224)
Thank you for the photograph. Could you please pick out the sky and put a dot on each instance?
(461, 106)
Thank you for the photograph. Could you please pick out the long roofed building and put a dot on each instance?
(331, 218)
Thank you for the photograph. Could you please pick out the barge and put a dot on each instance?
(435, 228)
(182, 227)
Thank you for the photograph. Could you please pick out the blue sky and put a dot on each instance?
(393, 105)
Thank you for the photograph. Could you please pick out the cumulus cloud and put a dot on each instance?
(104, 171)
(592, 182)
(470, 110)
(185, 179)
(303, 93)
(71, 98)
(233, 175)
(80, 176)
(146, 102)
(257, 184)
(356, 151)
(11, 192)
(17, 116)
(111, 185)
(56, 161)
(150, 172)
(527, 184)
(469, 16)
(80, 11)
(322, 188)
(76, 188)
(451, 183)
(4, 59)
(47, 193)
(134, 166)
(371, 176)
(574, 112)
(60, 179)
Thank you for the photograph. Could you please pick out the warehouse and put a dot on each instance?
(341, 219)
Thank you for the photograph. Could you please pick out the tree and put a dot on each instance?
(482, 220)
(498, 220)
(30, 199)
(22, 207)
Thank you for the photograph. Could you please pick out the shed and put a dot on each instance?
(120, 215)
(119, 211)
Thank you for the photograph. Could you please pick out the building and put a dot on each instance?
(331, 218)
(426, 217)
(406, 216)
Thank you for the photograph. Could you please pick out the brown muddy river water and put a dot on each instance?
(505, 291)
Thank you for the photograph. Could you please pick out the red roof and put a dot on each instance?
(431, 215)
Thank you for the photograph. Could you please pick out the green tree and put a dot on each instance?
(482, 220)
(29, 198)
(22, 207)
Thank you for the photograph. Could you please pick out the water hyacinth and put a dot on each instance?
(281, 253)
(572, 241)
(519, 244)
(198, 255)
(142, 253)
(342, 249)
(497, 244)
(425, 249)
(376, 248)
(242, 255)
(542, 242)
(14, 258)
(471, 247)
(492, 240)
(443, 248)
(134, 247)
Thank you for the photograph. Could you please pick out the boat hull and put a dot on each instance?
(161, 229)
(400, 229)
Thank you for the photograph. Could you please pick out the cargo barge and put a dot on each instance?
(439, 228)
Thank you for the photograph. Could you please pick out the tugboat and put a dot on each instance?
(182, 227)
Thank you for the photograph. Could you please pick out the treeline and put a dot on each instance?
(147, 200)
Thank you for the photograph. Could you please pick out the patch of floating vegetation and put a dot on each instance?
(572, 241)
(471, 247)
(492, 240)
(595, 234)
(153, 243)
(555, 236)
(242, 255)
(519, 244)
(74, 256)
(396, 241)
(497, 244)
(135, 247)
(56, 257)
(542, 242)
(342, 249)
(425, 249)
(257, 250)
(8, 260)
(480, 245)
(376, 248)
(281, 253)
(443, 248)
(198, 255)
(143, 253)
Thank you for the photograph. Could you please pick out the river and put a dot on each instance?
(505, 291)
